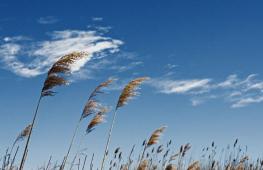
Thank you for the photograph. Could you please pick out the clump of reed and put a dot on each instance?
(92, 106)
(55, 77)
(127, 93)
(151, 156)
(163, 156)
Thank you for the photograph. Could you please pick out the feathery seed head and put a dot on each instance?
(194, 166)
(62, 66)
(24, 133)
(89, 108)
(129, 91)
(97, 90)
(97, 119)
(155, 136)
(143, 165)
(170, 167)
(92, 104)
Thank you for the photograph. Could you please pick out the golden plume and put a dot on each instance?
(155, 136)
(194, 166)
(143, 165)
(129, 91)
(62, 66)
(92, 104)
(97, 119)
(170, 167)
(24, 133)
(97, 90)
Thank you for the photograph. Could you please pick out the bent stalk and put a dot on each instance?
(70, 146)
(108, 140)
(29, 136)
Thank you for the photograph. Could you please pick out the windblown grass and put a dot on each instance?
(152, 155)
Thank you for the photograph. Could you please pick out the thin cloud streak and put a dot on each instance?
(236, 91)
(47, 20)
(169, 86)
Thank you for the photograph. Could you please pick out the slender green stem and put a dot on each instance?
(29, 136)
(108, 140)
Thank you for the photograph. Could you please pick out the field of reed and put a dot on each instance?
(153, 154)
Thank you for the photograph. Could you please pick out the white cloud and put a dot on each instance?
(196, 102)
(15, 38)
(246, 101)
(181, 86)
(122, 68)
(47, 20)
(29, 59)
(230, 82)
(236, 91)
(97, 18)
(171, 66)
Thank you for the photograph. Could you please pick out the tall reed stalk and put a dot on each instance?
(54, 78)
(152, 140)
(29, 136)
(91, 107)
(128, 92)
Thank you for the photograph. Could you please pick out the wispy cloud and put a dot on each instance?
(236, 91)
(16, 38)
(47, 20)
(169, 86)
(32, 58)
(246, 101)
(97, 18)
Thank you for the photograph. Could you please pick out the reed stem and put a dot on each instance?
(23, 160)
(108, 140)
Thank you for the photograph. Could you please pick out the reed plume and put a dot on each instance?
(91, 107)
(194, 166)
(155, 136)
(154, 139)
(143, 165)
(170, 167)
(23, 134)
(97, 119)
(240, 166)
(62, 66)
(92, 104)
(54, 78)
(128, 92)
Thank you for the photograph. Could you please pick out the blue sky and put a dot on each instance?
(204, 59)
